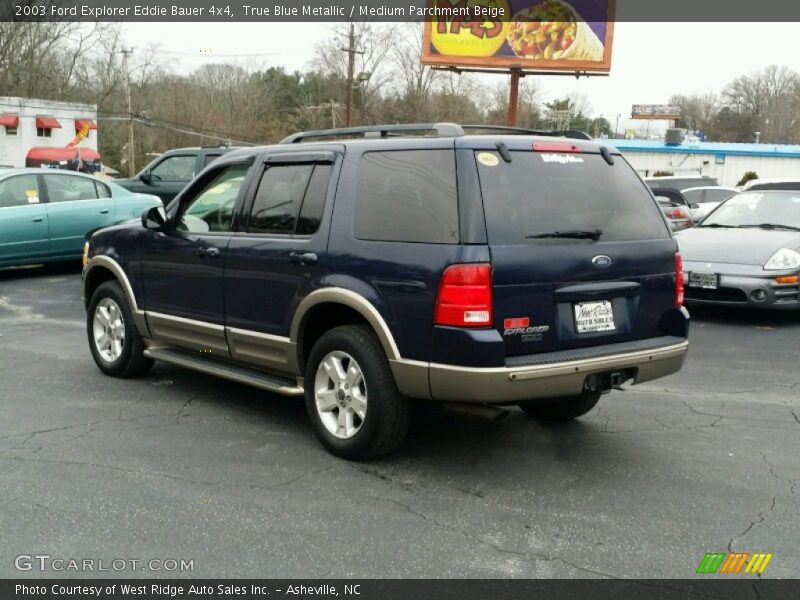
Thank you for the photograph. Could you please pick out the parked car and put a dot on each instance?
(746, 252)
(675, 208)
(680, 182)
(170, 172)
(45, 214)
(772, 184)
(363, 273)
(702, 200)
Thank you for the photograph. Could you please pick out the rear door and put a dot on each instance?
(75, 206)
(23, 220)
(581, 255)
(280, 249)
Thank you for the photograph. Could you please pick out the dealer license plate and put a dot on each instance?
(707, 281)
(594, 316)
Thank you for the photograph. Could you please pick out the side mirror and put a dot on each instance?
(146, 177)
(155, 218)
(694, 206)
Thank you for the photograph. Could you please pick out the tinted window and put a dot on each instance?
(174, 168)
(278, 199)
(212, 208)
(210, 158)
(408, 196)
(66, 188)
(314, 202)
(694, 196)
(19, 191)
(538, 193)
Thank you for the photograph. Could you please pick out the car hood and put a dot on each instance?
(739, 246)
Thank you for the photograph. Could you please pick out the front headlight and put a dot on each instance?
(85, 257)
(783, 259)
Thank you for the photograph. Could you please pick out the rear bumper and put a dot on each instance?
(511, 384)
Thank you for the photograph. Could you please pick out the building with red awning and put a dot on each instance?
(44, 125)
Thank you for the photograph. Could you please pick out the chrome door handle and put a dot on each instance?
(210, 252)
(303, 258)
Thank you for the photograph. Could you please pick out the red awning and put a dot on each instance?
(47, 123)
(62, 154)
(79, 123)
(9, 120)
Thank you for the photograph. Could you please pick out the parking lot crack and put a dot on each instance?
(705, 414)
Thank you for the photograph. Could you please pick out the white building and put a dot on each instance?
(725, 161)
(26, 123)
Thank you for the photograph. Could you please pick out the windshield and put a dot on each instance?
(541, 198)
(754, 209)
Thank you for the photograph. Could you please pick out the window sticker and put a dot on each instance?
(562, 159)
(33, 196)
(487, 159)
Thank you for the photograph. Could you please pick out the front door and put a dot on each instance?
(23, 221)
(182, 268)
(278, 255)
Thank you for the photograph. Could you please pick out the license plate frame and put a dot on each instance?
(596, 316)
(703, 280)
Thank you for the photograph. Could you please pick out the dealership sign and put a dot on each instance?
(655, 112)
(545, 35)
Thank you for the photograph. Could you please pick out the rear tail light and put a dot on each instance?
(678, 280)
(678, 213)
(465, 296)
(555, 147)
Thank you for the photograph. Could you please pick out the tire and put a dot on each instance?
(123, 355)
(361, 415)
(561, 410)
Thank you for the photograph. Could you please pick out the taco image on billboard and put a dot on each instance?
(552, 30)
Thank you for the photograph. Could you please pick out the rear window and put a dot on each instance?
(407, 196)
(538, 194)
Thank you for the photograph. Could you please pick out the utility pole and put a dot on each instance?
(126, 74)
(351, 67)
(333, 114)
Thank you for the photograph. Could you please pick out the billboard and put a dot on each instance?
(533, 35)
(656, 112)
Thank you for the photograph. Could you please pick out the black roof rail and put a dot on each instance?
(567, 133)
(382, 131)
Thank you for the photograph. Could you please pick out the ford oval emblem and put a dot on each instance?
(602, 261)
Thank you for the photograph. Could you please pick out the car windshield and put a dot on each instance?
(758, 209)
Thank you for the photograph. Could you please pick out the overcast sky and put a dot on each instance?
(651, 61)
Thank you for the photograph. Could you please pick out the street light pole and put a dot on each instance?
(616, 128)
(351, 66)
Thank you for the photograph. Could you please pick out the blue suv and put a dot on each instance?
(363, 268)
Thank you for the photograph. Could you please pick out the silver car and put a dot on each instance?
(702, 200)
(746, 252)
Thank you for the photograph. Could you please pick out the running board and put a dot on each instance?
(244, 375)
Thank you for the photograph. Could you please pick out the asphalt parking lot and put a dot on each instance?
(181, 465)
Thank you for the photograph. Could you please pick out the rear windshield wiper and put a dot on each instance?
(775, 226)
(574, 235)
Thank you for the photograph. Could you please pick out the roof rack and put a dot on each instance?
(441, 130)
(568, 133)
(382, 131)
